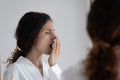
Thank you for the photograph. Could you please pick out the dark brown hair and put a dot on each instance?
(27, 31)
(104, 30)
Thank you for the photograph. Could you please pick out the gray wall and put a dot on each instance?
(69, 18)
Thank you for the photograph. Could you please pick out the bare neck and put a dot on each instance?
(36, 58)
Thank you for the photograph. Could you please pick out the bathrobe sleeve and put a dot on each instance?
(55, 72)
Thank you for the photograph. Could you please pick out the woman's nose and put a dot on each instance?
(53, 35)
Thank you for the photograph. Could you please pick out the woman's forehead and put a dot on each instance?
(48, 26)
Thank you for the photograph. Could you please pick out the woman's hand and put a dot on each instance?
(55, 52)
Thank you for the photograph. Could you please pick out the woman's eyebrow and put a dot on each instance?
(51, 29)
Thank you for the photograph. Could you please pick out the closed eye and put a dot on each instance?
(47, 32)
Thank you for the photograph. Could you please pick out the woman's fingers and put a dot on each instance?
(58, 46)
(55, 52)
(54, 46)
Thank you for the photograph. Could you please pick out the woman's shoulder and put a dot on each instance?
(10, 71)
(12, 68)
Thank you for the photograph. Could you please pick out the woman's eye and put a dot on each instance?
(47, 32)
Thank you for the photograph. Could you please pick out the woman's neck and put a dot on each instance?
(36, 58)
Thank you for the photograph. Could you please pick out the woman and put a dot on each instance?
(35, 36)
(103, 60)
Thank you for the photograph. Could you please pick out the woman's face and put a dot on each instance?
(45, 38)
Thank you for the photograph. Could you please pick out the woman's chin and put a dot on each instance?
(48, 52)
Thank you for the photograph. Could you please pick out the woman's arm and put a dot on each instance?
(55, 71)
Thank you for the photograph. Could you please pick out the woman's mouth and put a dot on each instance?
(51, 45)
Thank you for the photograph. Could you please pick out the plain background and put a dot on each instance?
(69, 17)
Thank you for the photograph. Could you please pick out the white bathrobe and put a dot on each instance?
(24, 69)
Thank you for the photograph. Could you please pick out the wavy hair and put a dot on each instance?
(104, 30)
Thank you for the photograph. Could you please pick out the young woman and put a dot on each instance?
(103, 60)
(35, 36)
